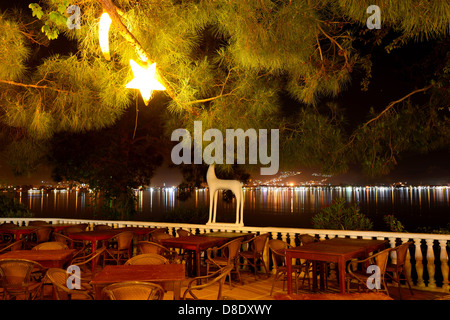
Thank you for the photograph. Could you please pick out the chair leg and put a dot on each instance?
(273, 283)
(236, 266)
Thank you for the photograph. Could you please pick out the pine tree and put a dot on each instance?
(231, 64)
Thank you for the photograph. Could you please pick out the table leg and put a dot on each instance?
(322, 275)
(98, 291)
(341, 267)
(94, 261)
(176, 290)
(197, 262)
(314, 275)
(289, 273)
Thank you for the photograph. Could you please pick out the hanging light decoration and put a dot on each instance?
(103, 34)
(144, 80)
(144, 76)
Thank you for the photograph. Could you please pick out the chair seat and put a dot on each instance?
(248, 254)
(222, 261)
(359, 275)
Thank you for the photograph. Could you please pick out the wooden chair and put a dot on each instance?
(304, 240)
(212, 279)
(396, 271)
(359, 275)
(184, 233)
(147, 258)
(278, 250)
(255, 252)
(156, 237)
(58, 278)
(133, 290)
(15, 245)
(82, 226)
(153, 247)
(51, 245)
(7, 225)
(185, 255)
(38, 223)
(102, 227)
(119, 247)
(78, 245)
(73, 229)
(41, 234)
(16, 278)
(92, 259)
(228, 256)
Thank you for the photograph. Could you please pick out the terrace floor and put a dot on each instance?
(259, 289)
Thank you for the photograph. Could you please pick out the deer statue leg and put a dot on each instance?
(211, 203)
(242, 207)
(238, 202)
(216, 197)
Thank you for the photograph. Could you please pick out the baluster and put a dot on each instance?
(322, 237)
(393, 253)
(407, 262)
(284, 236)
(292, 237)
(430, 264)
(419, 263)
(444, 265)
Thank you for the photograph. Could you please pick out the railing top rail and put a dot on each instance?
(321, 232)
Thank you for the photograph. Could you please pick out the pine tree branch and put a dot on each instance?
(32, 86)
(393, 103)
(209, 99)
(336, 43)
(389, 106)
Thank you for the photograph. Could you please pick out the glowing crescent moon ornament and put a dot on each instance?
(103, 34)
(144, 80)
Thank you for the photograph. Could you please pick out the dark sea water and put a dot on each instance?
(415, 207)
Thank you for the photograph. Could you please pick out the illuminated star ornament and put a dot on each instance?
(144, 80)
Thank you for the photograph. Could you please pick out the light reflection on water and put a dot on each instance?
(281, 207)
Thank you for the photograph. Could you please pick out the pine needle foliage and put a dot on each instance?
(230, 64)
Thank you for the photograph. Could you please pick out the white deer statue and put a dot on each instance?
(215, 185)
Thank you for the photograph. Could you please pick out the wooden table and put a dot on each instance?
(138, 231)
(60, 226)
(47, 258)
(150, 273)
(194, 243)
(18, 231)
(93, 236)
(229, 235)
(338, 250)
(334, 296)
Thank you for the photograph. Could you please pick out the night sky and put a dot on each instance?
(390, 81)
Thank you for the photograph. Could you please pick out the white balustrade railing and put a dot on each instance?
(427, 260)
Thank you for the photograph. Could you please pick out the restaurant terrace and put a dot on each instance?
(188, 261)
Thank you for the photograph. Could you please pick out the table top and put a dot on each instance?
(156, 273)
(339, 245)
(230, 235)
(366, 243)
(137, 230)
(342, 247)
(93, 235)
(17, 229)
(48, 258)
(334, 296)
(108, 233)
(194, 242)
